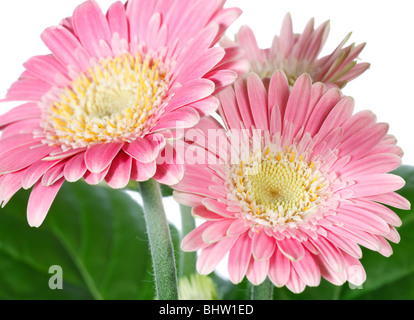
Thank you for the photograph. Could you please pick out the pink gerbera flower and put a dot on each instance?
(101, 105)
(292, 190)
(296, 54)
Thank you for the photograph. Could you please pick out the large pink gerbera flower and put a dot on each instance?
(101, 105)
(296, 54)
(292, 189)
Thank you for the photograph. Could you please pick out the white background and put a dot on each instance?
(387, 27)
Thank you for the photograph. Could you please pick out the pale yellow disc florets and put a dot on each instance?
(114, 100)
(277, 186)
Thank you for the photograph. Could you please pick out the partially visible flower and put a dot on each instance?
(291, 190)
(297, 54)
(197, 287)
(101, 106)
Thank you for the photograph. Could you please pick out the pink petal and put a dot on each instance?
(257, 271)
(117, 20)
(100, 156)
(53, 174)
(392, 199)
(263, 246)
(40, 202)
(258, 101)
(75, 168)
(120, 171)
(194, 240)
(376, 184)
(279, 269)
(279, 92)
(292, 249)
(147, 149)
(236, 228)
(95, 178)
(201, 211)
(178, 119)
(217, 231)
(142, 171)
(213, 254)
(308, 270)
(295, 283)
(25, 111)
(23, 157)
(239, 258)
(170, 168)
(91, 27)
(298, 103)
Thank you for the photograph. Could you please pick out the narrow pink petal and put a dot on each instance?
(194, 240)
(295, 283)
(239, 258)
(257, 271)
(217, 207)
(229, 109)
(258, 101)
(49, 69)
(9, 185)
(27, 89)
(40, 202)
(247, 40)
(322, 109)
(23, 157)
(217, 231)
(298, 103)
(355, 271)
(53, 174)
(392, 199)
(63, 44)
(363, 141)
(13, 142)
(117, 20)
(279, 92)
(286, 37)
(240, 88)
(201, 211)
(211, 256)
(120, 171)
(187, 199)
(142, 171)
(91, 27)
(329, 254)
(178, 119)
(147, 149)
(237, 227)
(25, 111)
(279, 269)
(75, 168)
(376, 184)
(384, 213)
(100, 156)
(170, 166)
(358, 122)
(375, 163)
(292, 249)
(345, 244)
(95, 178)
(308, 270)
(263, 246)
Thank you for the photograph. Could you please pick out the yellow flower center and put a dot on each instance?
(114, 100)
(276, 187)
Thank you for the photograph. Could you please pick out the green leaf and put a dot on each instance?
(95, 234)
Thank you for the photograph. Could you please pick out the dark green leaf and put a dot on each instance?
(97, 235)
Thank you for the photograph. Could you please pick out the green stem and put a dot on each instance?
(263, 291)
(161, 246)
(188, 259)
